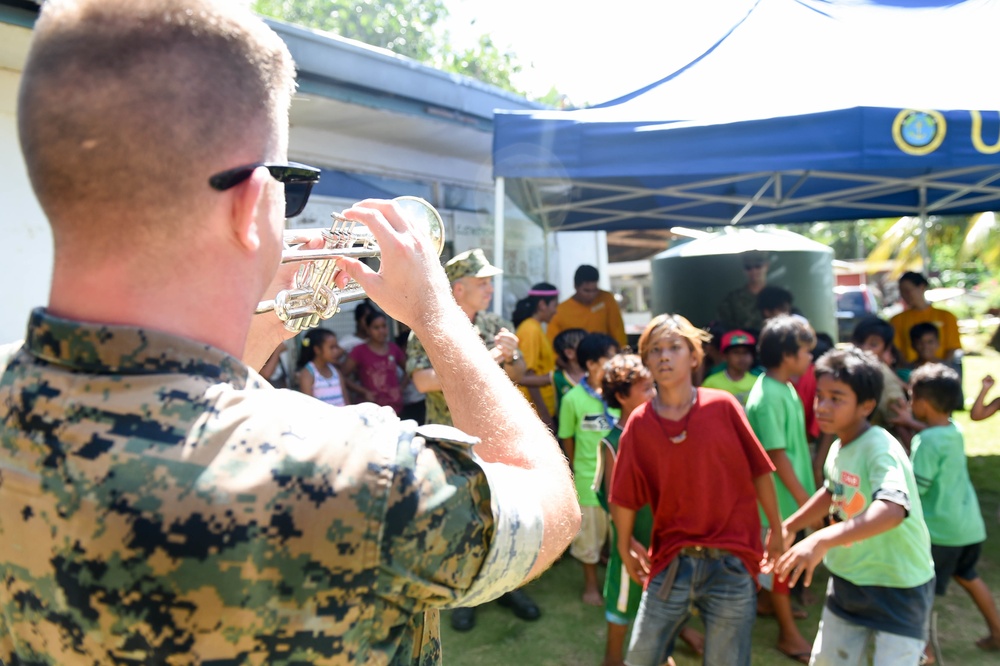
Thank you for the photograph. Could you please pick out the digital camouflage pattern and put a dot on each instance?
(739, 310)
(487, 325)
(161, 504)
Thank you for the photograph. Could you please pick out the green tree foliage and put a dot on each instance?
(411, 28)
(486, 62)
(405, 27)
(961, 251)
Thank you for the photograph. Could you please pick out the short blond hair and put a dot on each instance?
(672, 323)
(126, 107)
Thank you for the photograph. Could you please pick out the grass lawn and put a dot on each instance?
(572, 634)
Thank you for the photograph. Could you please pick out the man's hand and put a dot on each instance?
(505, 344)
(987, 382)
(802, 558)
(410, 284)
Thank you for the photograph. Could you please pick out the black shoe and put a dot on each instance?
(521, 604)
(463, 619)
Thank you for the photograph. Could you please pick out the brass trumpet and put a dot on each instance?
(315, 296)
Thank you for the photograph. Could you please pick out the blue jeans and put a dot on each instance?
(725, 596)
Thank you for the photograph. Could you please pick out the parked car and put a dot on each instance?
(854, 303)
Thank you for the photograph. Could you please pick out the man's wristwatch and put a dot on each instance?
(515, 357)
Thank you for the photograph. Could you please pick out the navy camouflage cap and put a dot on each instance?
(472, 263)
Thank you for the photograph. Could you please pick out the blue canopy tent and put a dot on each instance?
(803, 110)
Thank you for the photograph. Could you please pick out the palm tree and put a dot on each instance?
(982, 240)
(904, 241)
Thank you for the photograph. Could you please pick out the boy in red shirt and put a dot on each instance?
(691, 455)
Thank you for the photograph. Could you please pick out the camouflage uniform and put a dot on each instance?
(160, 503)
(739, 310)
(487, 325)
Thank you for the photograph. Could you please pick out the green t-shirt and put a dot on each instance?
(951, 508)
(776, 415)
(643, 527)
(740, 389)
(875, 464)
(562, 383)
(582, 417)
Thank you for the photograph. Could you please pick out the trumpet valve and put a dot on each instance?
(292, 305)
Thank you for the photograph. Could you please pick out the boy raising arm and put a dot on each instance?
(882, 584)
(951, 508)
(980, 410)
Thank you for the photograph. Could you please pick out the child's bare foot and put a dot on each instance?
(695, 640)
(593, 598)
(799, 650)
(989, 643)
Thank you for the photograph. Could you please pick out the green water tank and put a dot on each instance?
(691, 278)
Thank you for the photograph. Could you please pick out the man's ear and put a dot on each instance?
(247, 197)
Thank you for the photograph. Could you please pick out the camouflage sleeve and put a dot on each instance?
(416, 355)
(458, 531)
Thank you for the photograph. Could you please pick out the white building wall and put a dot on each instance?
(25, 241)
(576, 248)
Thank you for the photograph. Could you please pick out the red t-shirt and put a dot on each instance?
(805, 386)
(701, 489)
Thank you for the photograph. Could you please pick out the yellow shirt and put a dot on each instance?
(539, 358)
(601, 316)
(945, 321)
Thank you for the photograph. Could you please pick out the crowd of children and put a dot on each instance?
(717, 468)
(714, 503)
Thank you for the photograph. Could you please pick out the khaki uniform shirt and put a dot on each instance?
(160, 503)
(487, 325)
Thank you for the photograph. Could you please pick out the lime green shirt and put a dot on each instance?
(776, 415)
(583, 418)
(723, 382)
(875, 463)
(951, 508)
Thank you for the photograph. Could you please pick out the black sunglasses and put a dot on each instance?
(298, 180)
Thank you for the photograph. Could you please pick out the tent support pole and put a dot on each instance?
(547, 248)
(498, 233)
(750, 204)
(925, 257)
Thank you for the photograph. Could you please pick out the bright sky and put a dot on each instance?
(594, 52)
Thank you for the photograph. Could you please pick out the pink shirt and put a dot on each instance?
(378, 374)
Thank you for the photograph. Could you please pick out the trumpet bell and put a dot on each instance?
(315, 296)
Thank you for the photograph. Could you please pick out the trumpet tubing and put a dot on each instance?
(315, 296)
